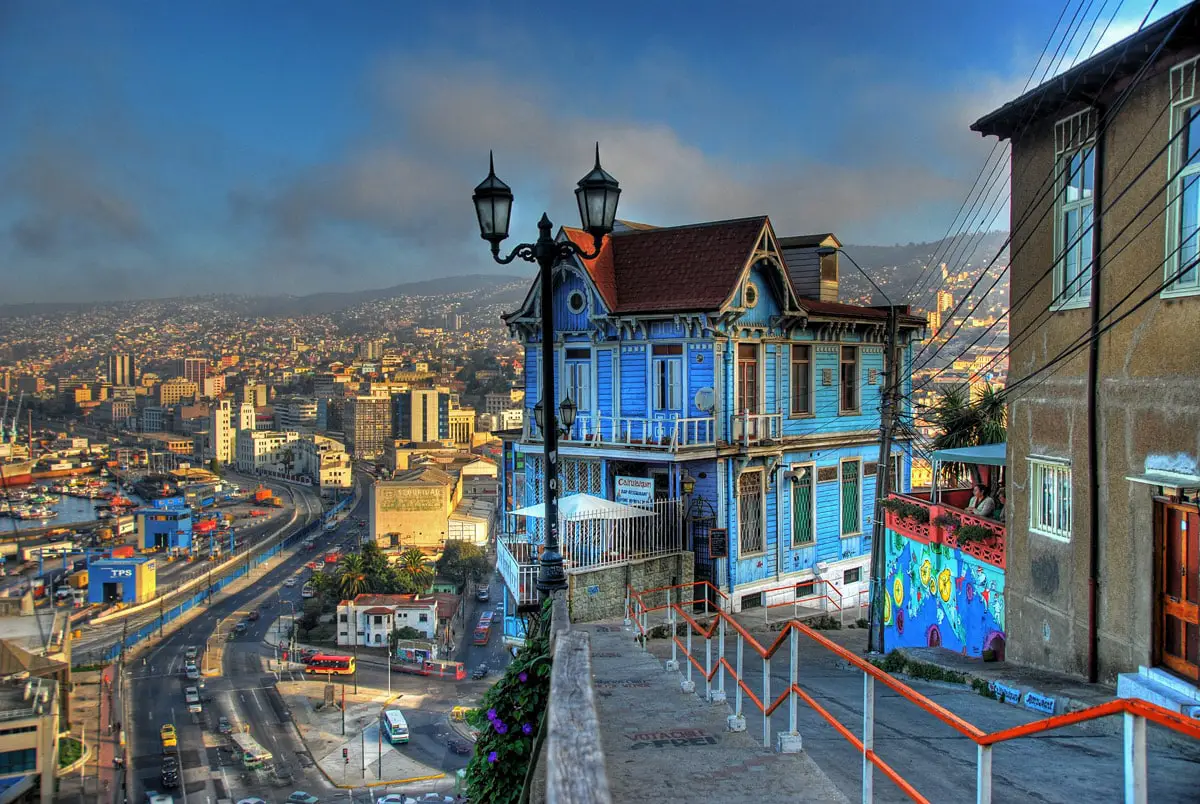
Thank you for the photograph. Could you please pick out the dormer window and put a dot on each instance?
(750, 294)
(576, 302)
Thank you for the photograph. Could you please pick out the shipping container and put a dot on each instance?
(124, 551)
(78, 580)
(262, 493)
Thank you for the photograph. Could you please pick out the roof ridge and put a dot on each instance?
(684, 226)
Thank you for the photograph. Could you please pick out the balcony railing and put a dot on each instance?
(519, 570)
(754, 428)
(937, 531)
(669, 434)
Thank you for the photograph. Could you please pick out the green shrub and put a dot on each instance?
(69, 750)
(906, 510)
(510, 718)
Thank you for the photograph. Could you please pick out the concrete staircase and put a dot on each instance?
(1157, 686)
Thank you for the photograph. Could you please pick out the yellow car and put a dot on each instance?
(167, 732)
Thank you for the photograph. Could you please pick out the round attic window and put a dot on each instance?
(750, 294)
(576, 302)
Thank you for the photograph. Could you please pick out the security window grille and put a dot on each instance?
(851, 498)
(848, 393)
(801, 380)
(747, 378)
(803, 496)
(751, 538)
(1050, 499)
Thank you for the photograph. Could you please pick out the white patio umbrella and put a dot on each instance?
(585, 506)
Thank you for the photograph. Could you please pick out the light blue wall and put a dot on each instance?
(635, 370)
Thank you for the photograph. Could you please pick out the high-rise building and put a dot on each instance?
(121, 369)
(175, 389)
(371, 350)
(945, 301)
(220, 431)
(255, 393)
(214, 386)
(368, 425)
(422, 415)
(246, 416)
(193, 369)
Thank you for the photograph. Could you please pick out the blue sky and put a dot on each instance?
(156, 148)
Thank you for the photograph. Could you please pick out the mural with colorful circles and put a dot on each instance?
(938, 596)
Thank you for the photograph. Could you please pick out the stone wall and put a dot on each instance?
(599, 594)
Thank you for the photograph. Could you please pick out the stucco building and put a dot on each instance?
(1104, 371)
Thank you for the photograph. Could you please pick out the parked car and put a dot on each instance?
(300, 797)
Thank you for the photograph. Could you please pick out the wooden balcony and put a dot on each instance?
(753, 429)
(943, 524)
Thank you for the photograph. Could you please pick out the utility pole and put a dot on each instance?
(887, 424)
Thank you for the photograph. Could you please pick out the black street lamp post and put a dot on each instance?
(597, 194)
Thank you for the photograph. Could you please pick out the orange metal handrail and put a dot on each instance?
(984, 740)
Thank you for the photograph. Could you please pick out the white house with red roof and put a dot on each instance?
(369, 619)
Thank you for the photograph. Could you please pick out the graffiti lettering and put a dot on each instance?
(673, 734)
(1039, 703)
(1005, 693)
(680, 743)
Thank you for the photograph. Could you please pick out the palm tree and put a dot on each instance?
(352, 576)
(413, 570)
(961, 422)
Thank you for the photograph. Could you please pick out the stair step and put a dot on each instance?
(1165, 678)
(1136, 685)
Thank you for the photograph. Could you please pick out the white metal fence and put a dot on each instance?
(588, 543)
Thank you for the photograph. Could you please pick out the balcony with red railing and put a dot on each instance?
(947, 522)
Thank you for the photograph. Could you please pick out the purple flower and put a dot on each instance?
(492, 757)
(492, 715)
(523, 676)
(527, 728)
(500, 727)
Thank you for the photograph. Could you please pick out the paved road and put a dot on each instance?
(1078, 764)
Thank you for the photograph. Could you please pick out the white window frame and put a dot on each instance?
(578, 379)
(812, 504)
(1058, 471)
(841, 480)
(1183, 100)
(798, 414)
(673, 387)
(1072, 135)
(762, 514)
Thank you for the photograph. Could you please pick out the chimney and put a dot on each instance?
(813, 276)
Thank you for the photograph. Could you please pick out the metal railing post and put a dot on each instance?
(645, 625)
(766, 701)
(674, 640)
(738, 706)
(689, 653)
(721, 655)
(708, 667)
(795, 679)
(1135, 759)
(868, 739)
(983, 775)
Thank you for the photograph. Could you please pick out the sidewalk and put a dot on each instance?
(92, 708)
(665, 745)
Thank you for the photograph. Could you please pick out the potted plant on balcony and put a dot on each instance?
(907, 511)
(974, 534)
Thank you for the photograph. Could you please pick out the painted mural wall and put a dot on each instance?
(939, 596)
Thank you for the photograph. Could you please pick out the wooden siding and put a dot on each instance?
(532, 376)
(699, 370)
(604, 381)
(635, 392)
(768, 305)
(567, 282)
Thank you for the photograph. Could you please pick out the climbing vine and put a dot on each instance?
(509, 719)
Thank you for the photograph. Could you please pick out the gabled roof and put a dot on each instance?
(809, 240)
(1102, 71)
(671, 269)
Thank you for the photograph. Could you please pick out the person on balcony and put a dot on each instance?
(981, 504)
(1001, 499)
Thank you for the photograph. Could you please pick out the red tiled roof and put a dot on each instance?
(378, 610)
(676, 268)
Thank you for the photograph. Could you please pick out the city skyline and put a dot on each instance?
(329, 153)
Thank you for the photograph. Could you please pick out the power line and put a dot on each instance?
(1102, 127)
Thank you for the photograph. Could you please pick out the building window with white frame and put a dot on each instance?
(801, 378)
(1050, 498)
(579, 378)
(1075, 170)
(851, 501)
(668, 377)
(804, 508)
(1182, 277)
(751, 504)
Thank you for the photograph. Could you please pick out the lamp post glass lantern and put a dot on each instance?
(596, 194)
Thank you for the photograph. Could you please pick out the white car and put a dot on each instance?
(251, 801)
(289, 583)
(193, 700)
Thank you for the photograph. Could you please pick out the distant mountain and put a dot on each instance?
(899, 268)
(312, 304)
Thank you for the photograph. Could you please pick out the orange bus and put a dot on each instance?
(483, 631)
(323, 663)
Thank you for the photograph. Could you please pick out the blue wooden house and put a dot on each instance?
(715, 358)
